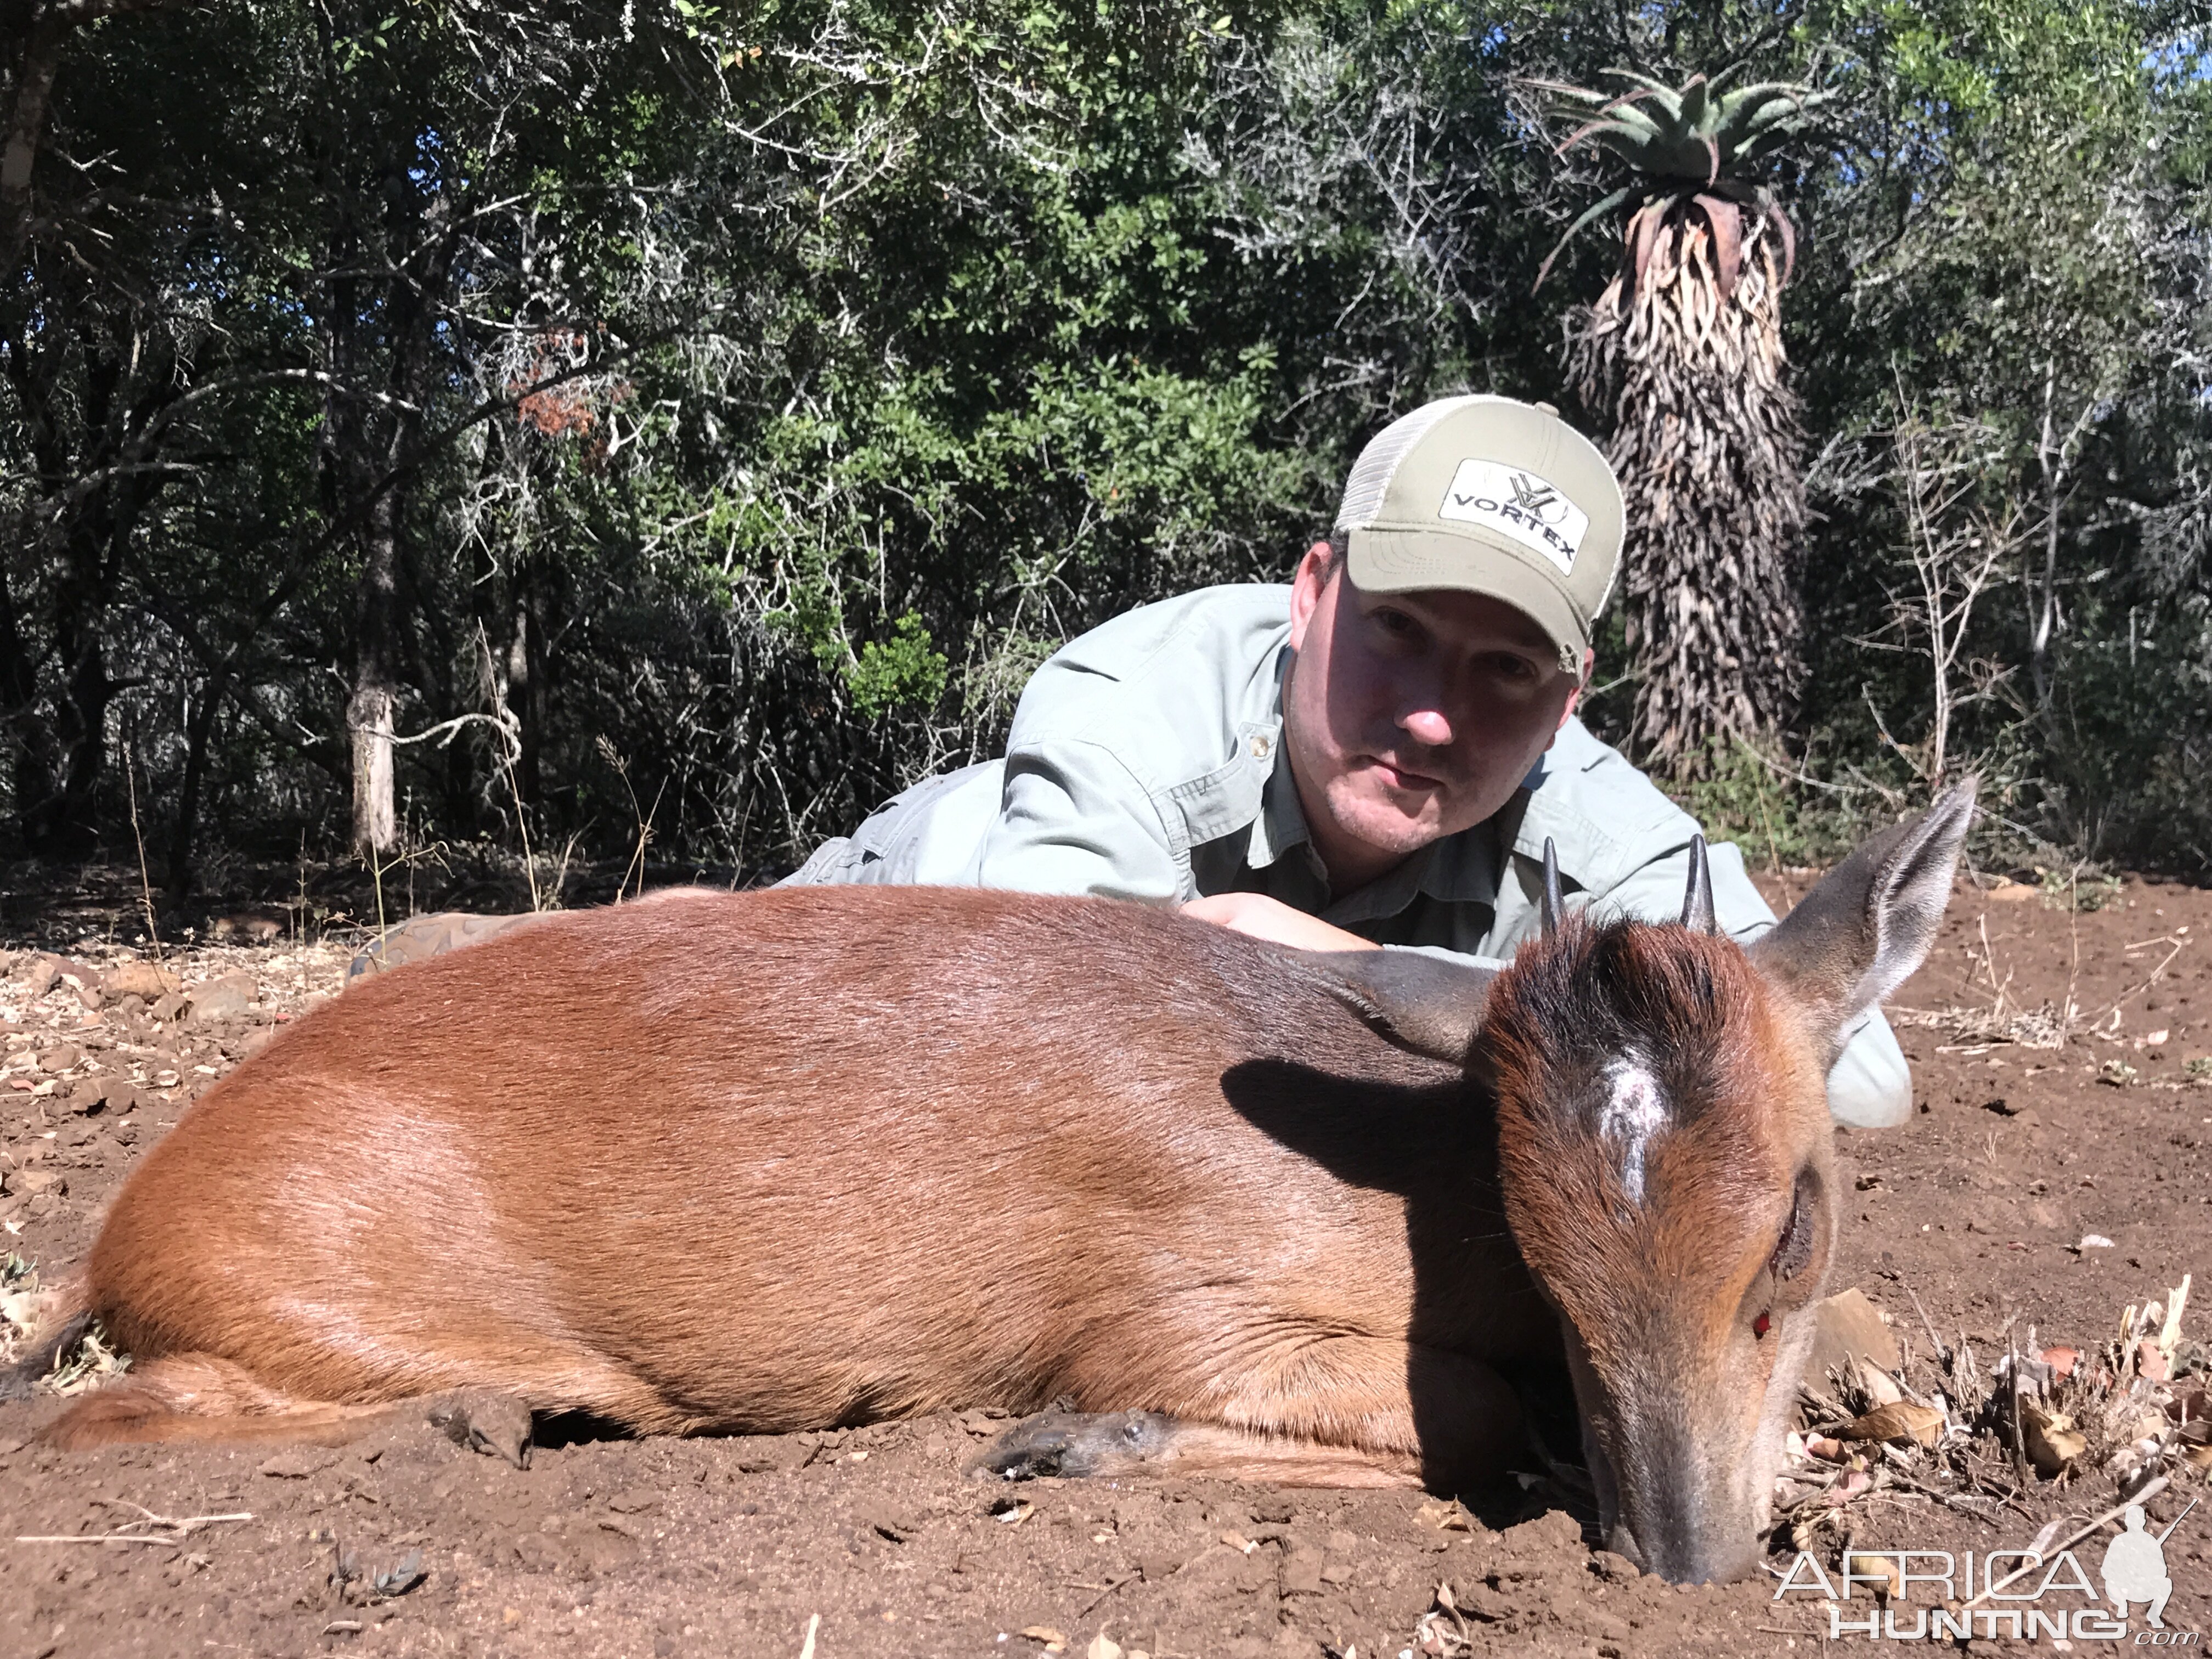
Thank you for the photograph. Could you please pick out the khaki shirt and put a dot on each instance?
(1145, 761)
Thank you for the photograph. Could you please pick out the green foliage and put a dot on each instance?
(767, 391)
(901, 671)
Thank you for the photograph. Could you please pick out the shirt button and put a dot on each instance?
(1262, 744)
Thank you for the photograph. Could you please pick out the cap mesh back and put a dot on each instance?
(1378, 462)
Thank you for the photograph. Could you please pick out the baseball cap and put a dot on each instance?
(1491, 495)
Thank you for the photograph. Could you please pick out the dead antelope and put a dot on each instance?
(784, 1160)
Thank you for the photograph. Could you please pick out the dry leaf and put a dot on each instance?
(1446, 1516)
(1899, 1420)
(2050, 1437)
(1103, 1646)
(1053, 1641)
(1881, 1387)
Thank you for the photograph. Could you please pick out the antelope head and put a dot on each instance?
(1664, 1145)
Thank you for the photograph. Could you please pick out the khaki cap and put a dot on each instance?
(1490, 496)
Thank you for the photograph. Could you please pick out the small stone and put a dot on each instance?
(60, 1058)
(637, 1500)
(139, 979)
(36, 1183)
(1847, 1328)
(297, 1465)
(1613, 1568)
(231, 997)
(92, 1093)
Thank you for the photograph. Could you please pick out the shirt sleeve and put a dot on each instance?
(1075, 819)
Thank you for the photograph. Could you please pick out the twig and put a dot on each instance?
(1943, 1353)
(145, 881)
(813, 1623)
(2149, 1492)
(1112, 1584)
(183, 1528)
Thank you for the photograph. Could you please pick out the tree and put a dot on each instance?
(1682, 359)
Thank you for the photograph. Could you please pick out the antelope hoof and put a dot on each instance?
(496, 1424)
(1074, 1445)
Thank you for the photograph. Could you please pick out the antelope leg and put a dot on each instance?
(1345, 1412)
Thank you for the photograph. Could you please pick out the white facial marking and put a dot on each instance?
(1635, 1112)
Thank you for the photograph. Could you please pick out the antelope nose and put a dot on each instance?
(1699, 1560)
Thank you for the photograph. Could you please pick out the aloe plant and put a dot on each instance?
(1682, 356)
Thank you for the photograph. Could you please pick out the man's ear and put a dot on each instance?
(1421, 1003)
(1308, 584)
(1857, 937)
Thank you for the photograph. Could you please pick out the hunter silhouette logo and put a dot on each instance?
(2135, 1566)
(1523, 507)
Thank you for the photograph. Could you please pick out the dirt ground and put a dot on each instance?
(1989, 1206)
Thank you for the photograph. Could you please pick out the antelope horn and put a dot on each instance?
(1553, 905)
(1698, 902)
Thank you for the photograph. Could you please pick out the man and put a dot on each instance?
(1372, 757)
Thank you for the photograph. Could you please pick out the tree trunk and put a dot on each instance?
(200, 732)
(375, 825)
(369, 712)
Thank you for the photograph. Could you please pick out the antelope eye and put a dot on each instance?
(1794, 1249)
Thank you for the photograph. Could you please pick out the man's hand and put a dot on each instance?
(1261, 917)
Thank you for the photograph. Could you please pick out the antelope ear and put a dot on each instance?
(1421, 1003)
(1857, 937)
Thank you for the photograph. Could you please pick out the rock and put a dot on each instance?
(108, 1090)
(1613, 1568)
(422, 937)
(1846, 1328)
(40, 975)
(35, 1183)
(231, 997)
(298, 1465)
(1555, 1529)
(60, 1059)
(636, 1500)
(1301, 1573)
(169, 1007)
(139, 979)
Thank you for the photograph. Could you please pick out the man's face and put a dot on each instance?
(1410, 716)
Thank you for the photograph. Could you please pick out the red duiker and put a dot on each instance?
(792, 1159)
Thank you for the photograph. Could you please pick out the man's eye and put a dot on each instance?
(1519, 670)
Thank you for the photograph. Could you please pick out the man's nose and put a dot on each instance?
(1428, 727)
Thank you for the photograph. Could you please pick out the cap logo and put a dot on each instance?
(1520, 505)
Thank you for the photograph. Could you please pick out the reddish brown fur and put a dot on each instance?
(795, 1159)
(690, 1164)
(1663, 1293)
